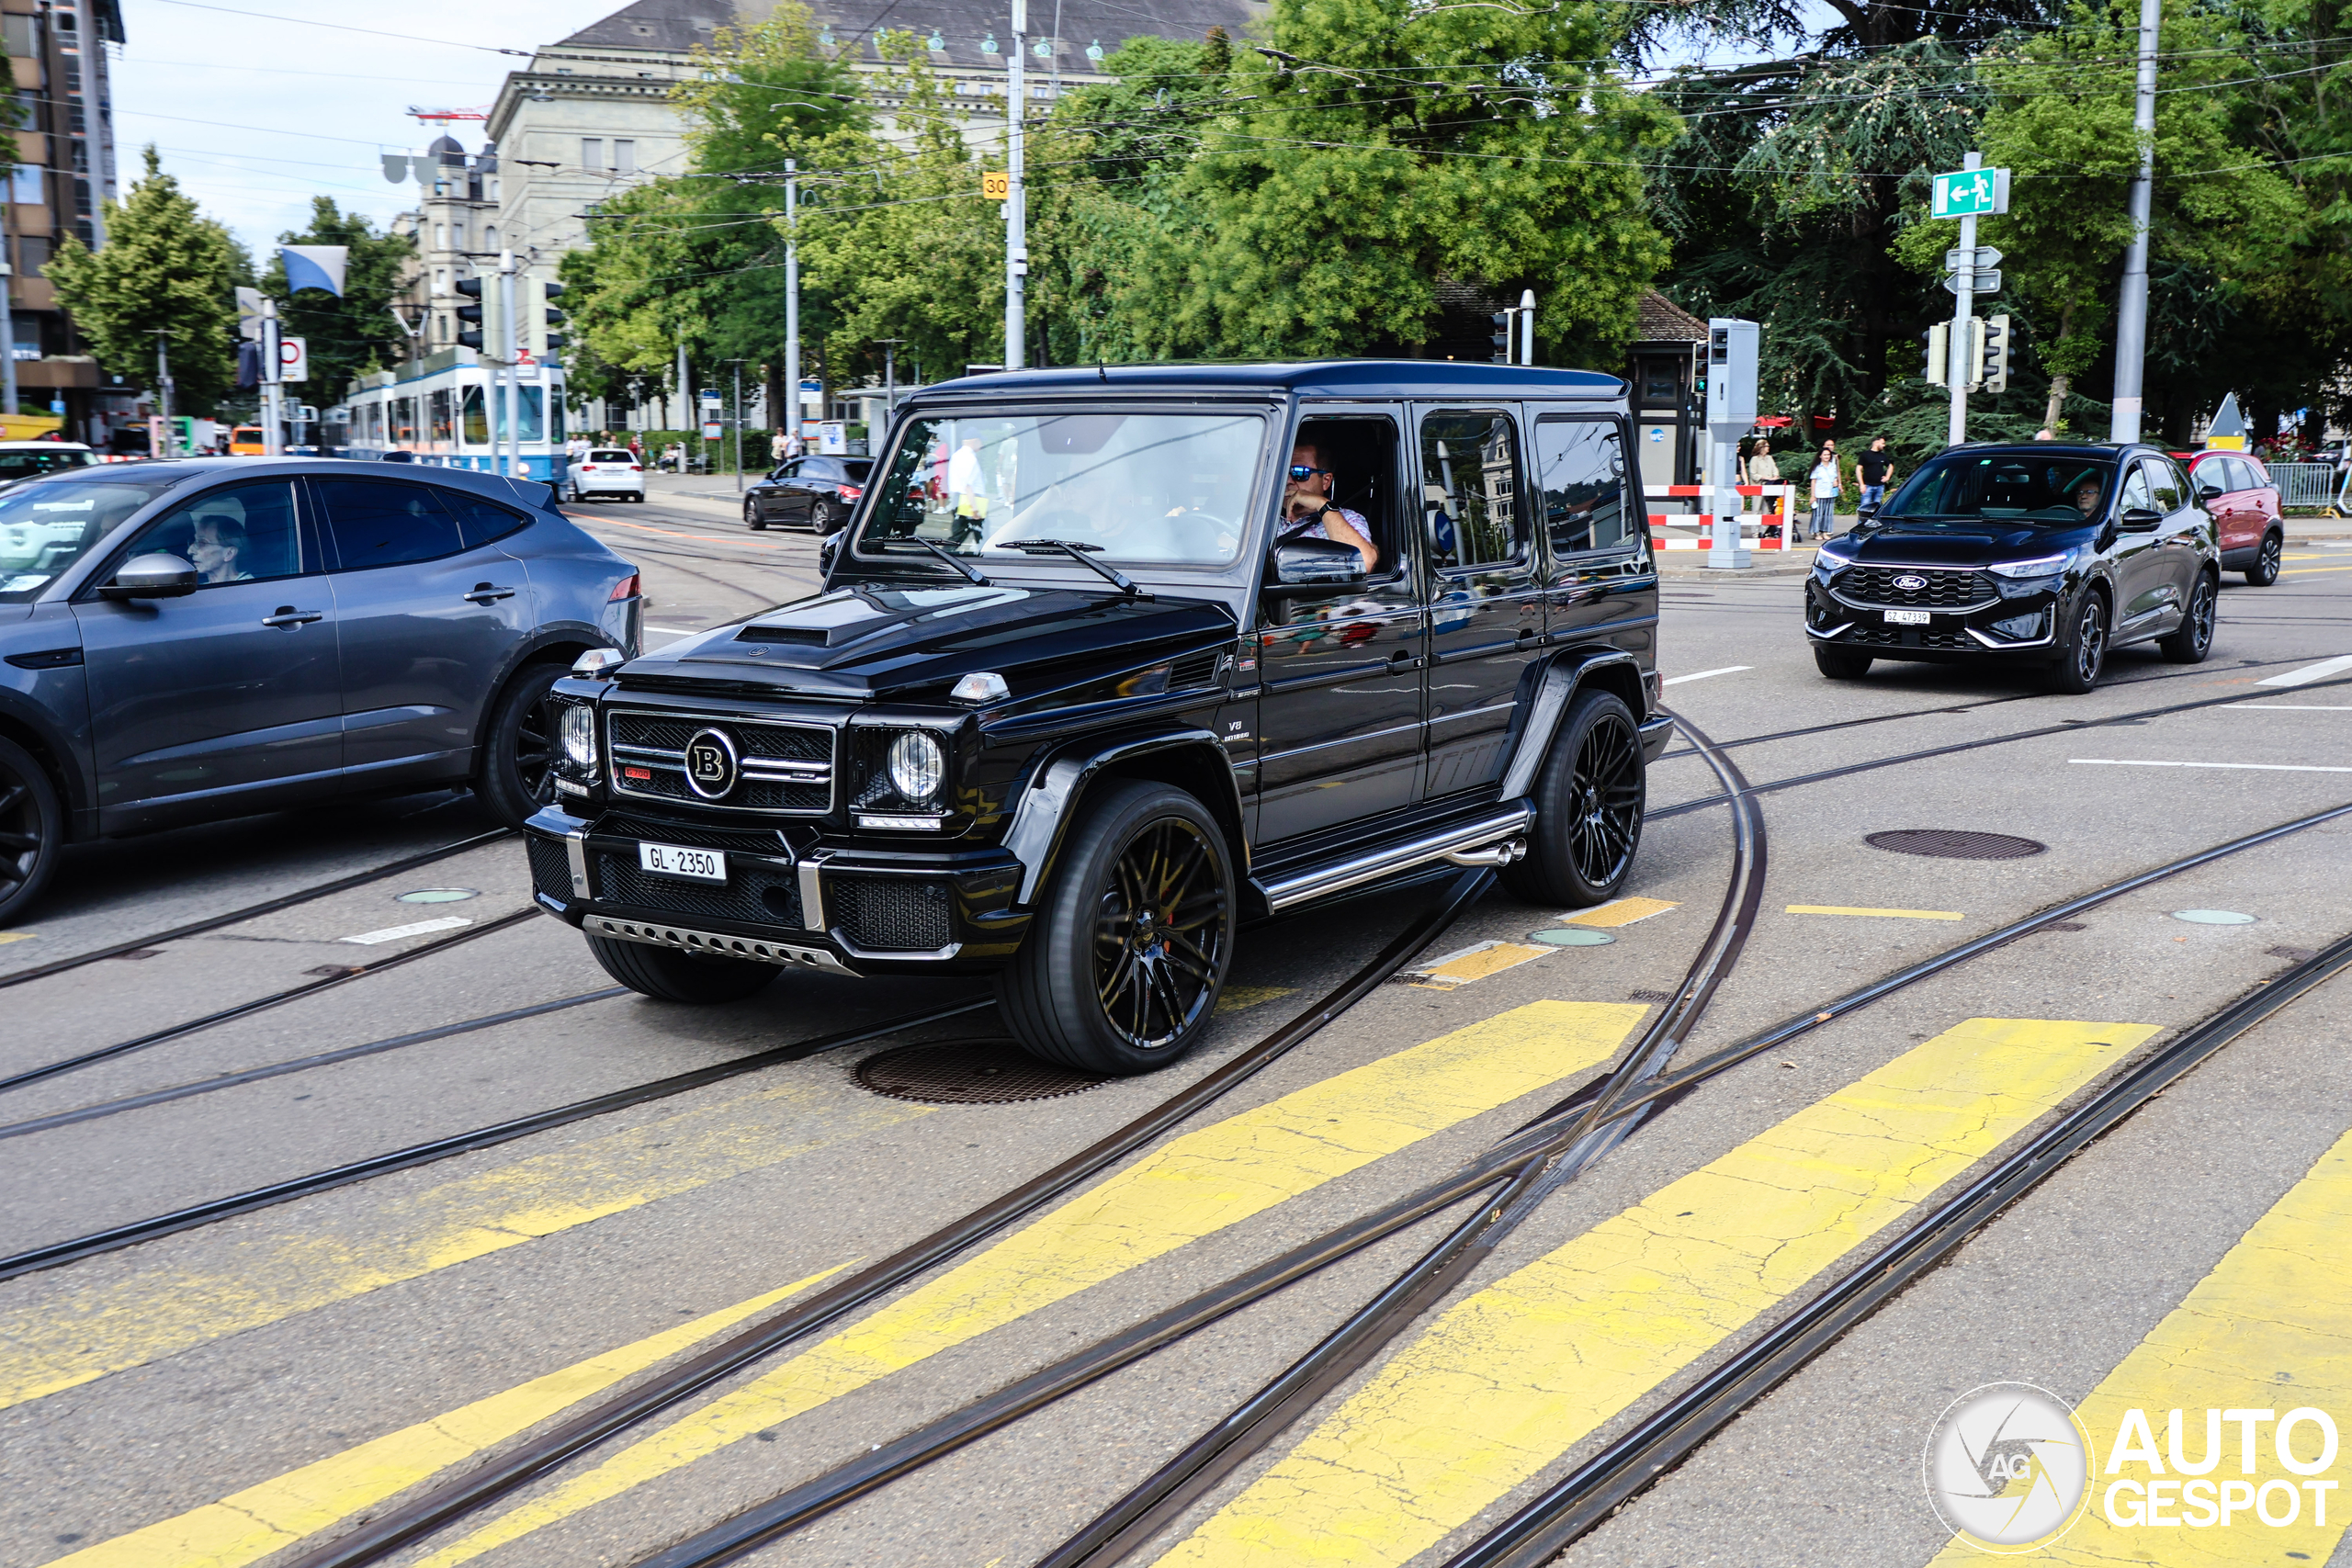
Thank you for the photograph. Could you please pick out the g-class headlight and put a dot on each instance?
(917, 767)
(577, 728)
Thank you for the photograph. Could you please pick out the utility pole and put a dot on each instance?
(7, 337)
(162, 385)
(686, 401)
(1964, 295)
(272, 391)
(2132, 313)
(791, 300)
(735, 425)
(1016, 217)
(1527, 326)
(510, 349)
(889, 384)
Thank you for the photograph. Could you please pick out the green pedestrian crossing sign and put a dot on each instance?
(1972, 193)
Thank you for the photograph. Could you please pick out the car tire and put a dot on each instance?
(668, 974)
(1840, 663)
(2193, 638)
(2082, 645)
(571, 494)
(32, 829)
(1142, 910)
(1591, 798)
(2265, 569)
(515, 776)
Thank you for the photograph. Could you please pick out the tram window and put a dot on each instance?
(482, 521)
(476, 423)
(444, 428)
(404, 422)
(383, 522)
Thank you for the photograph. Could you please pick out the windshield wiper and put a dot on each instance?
(1077, 553)
(958, 562)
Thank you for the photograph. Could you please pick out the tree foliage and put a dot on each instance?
(166, 269)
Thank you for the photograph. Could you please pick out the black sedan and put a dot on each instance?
(817, 493)
(2039, 554)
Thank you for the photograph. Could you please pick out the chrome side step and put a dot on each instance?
(1479, 843)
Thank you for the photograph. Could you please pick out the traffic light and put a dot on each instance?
(472, 288)
(1939, 368)
(1501, 336)
(550, 292)
(1974, 360)
(1993, 363)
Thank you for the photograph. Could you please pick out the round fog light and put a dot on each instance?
(579, 728)
(917, 765)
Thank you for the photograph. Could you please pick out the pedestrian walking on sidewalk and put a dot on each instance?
(1825, 484)
(1874, 469)
(1762, 470)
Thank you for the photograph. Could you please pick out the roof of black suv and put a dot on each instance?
(1326, 377)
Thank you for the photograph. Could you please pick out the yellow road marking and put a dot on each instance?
(2312, 571)
(1617, 912)
(1236, 997)
(17, 936)
(249, 1525)
(1511, 1377)
(1196, 1185)
(2270, 1329)
(60, 1340)
(1477, 963)
(1894, 914)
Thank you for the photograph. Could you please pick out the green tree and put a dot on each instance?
(166, 269)
(358, 331)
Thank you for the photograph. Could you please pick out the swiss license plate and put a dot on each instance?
(1907, 618)
(674, 860)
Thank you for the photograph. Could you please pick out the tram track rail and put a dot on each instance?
(91, 1058)
(253, 912)
(1511, 1173)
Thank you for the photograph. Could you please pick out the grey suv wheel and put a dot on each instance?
(32, 829)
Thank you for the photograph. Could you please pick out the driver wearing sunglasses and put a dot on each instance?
(1307, 500)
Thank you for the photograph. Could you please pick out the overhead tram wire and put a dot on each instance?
(344, 27)
(382, 1536)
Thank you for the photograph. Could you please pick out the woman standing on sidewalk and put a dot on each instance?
(1825, 491)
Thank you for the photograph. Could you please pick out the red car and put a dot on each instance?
(2237, 490)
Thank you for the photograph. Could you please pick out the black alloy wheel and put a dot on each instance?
(517, 770)
(2265, 569)
(32, 829)
(1840, 663)
(1589, 801)
(2193, 638)
(2082, 645)
(1122, 966)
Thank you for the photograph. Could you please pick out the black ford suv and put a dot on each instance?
(2045, 554)
(1114, 661)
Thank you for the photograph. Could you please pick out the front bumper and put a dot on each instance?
(1656, 733)
(1967, 614)
(829, 905)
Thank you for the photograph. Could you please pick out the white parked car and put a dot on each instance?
(606, 470)
(25, 459)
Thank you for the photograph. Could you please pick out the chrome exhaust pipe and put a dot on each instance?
(1510, 849)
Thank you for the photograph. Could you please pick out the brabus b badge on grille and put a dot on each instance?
(711, 764)
(1910, 582)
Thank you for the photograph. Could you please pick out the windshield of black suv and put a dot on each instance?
(48, 524)
(2006, 487)
(1145, 487)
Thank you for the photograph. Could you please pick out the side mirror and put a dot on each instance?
(829, 551)
(157, 576)
(1317, 563)
(2209, 492)
(2140, 520)
(1866, 511)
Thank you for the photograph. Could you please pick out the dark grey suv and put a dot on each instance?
(186, 641)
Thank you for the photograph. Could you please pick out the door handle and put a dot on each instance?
(487, 594)
(287, 615)
(1401, 658)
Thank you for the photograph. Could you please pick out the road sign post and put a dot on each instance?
(1967, 193)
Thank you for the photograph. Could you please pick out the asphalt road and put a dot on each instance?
(218, 1395)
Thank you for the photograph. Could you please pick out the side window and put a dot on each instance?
(380, 522)
(2241, 474)
(438, 405)
(1469, 487)
(790, 471)
(2136, 490)
(241, 533)
(1352, 464)
(1580, 484)
(474, 421)
(480, 521)
(2164, 484)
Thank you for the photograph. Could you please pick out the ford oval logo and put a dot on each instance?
(711, 764)
(1911, 582)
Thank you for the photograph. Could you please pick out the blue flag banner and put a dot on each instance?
(313, 266)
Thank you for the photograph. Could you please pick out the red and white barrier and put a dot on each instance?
(1751, 526)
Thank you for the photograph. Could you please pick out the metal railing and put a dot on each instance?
(2304, 484)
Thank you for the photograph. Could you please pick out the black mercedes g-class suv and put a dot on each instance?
(2042, 553)
(1114, 660)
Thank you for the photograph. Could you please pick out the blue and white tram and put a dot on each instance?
(453, 415)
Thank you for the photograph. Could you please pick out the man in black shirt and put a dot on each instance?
(1875, 466)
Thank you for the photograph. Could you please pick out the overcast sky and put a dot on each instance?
(253, 114)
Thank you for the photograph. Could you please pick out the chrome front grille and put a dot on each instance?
(1873, 587)
(781, 767)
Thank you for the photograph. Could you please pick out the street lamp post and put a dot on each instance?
(735, 425)
(791, 300)
(162, 385)
(1016, 214)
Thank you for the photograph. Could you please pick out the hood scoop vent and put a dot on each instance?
(792, 637)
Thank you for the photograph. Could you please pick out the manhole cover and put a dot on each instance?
(1950, 843)
(439, 895)
(967, 1072)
